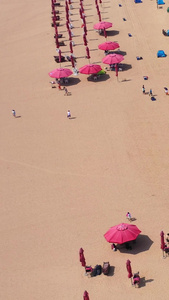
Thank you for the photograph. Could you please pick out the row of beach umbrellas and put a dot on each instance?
(110, 59)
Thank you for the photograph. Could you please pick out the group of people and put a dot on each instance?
(151, 93)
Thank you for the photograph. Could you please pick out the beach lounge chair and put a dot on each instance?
(165, 32)
(56, 58)
(88, 270)
(136, 279)
(106, 268)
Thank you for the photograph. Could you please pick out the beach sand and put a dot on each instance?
(64, 183)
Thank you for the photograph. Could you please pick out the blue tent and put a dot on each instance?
(160, 2)
(161, 53)
(137, 1)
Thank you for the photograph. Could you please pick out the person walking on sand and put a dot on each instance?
(66, 91)
(150, 93)
(14, 113)
(143, 89)
(166, 90)
(128, 216)
(68, 114)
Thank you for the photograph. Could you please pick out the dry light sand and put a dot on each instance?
(65, 182)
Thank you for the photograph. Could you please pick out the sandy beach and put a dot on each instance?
(64, 182)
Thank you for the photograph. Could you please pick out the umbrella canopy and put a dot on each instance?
(109, 46)
(122, 233)
(81, 257)
(60, 73)
(85, 295)
(129, 270)
(90, 69)
(112, 59)
(162, 240)
(102, 25)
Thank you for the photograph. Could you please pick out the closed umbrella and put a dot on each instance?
(70, 35)
(72, 61)
(60, 73)
(99, 14)
(112, 59)
(57, 41)
(129, 270)
(108, 46)
(162, 242)
(85, 295)
(90, 69)
(67, 25)
(88, 53)
(71, 47)
(84, 40)
(81, 257)
(122, 233)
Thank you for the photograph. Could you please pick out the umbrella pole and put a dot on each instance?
(131, 281)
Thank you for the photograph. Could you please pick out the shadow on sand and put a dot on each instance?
(102, 77)
(72, 81)
(143, 281)
(141, 244)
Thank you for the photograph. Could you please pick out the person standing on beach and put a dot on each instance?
(66, 91)
(14, 113)
(68, 114)
(143, 89)
(150, 93)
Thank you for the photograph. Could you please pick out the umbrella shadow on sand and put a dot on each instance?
(112, 32)
(118, 52)
(141, 244)
(72, 81)
(100, 78)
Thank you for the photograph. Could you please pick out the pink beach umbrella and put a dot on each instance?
(102, 25)
(129, 270)
(112, 59)
(108, 46)
(90, 69)
(60, 73)
(85, 295)
(81, 257)
(122, 233)
(87, 53)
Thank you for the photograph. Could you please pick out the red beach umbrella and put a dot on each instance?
(90, 69)
(70, 35)
(129, 270)
(108, 46)
(81, 257)
(85, 295)
(122, 233)
(162, 240)
(60, 56)
(85, 29)
(84, 40)
(102, 25)
(72, 61)
(99, 14)
(67, 25)
(57, 41)
(112, 59)
(88, 53)
(71, 47)
(60, 73)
